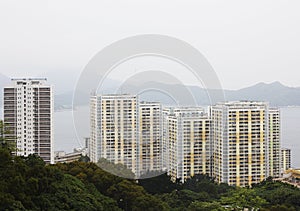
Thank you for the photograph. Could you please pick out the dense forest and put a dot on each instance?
(27, 183)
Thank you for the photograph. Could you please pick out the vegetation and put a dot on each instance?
(27, 183)
(115, 169)
(8, 144)
(202, 193)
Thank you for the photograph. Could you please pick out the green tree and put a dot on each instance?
(115, 169)
(206, 206)
(278, 193)
(84, 158)
(159, 184)
(242, 198)
(4, 143)
(26, 183)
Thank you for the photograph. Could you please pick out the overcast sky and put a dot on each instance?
(245, 41)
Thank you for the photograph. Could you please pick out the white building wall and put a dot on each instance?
(274, 143)
(114, 129)
(240, 149)
(150, 135)
(28, 114)
(187, 138)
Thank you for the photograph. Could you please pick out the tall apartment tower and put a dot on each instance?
(187, 138)
(150, 134)
(240, 142)
(28, 113)
(285, 159)
(165, 147)
(274, 143)
(114, 129)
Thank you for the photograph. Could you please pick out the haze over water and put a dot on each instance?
(290, 132)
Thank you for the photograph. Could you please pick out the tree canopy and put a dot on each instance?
(27, 183)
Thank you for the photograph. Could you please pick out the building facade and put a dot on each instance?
(165, 147)
(95, 126)
(28, 113)
(187, 137)
(240, 142)
(63, 157)
(237, 143)
(126, 131)
(114, 129)
(274, 143)
(285, 159)
(150, 135)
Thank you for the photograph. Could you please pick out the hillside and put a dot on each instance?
(275, 93)
(26, 183)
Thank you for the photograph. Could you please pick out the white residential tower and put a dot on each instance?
(28, 113)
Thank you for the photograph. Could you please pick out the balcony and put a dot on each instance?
(9, 98)
(45, 111)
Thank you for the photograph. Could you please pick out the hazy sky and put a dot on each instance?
(245, 41)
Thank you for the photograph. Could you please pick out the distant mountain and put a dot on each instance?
(275, 93)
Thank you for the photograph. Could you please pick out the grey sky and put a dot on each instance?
(245, 41)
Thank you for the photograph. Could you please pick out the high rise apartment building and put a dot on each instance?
(237, 143)
(126, 131)
(150, 137)
(240, 142)
(274, 143)
(285, 159)
(28, 113)
(187, 137)
(115, 130)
